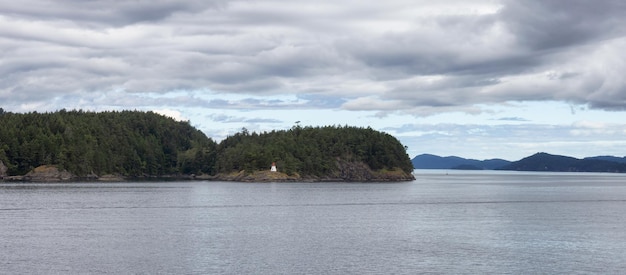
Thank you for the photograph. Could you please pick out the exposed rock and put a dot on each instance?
(347, 171)
(14, 178)
(359, 171)
(201, 177)
(48, 173)
(110, 177)
(258, 176)
(354, 171)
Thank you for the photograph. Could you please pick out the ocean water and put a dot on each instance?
(444, 222)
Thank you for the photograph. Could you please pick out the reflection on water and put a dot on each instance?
(444, 222)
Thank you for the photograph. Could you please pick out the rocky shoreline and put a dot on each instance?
(347, 172)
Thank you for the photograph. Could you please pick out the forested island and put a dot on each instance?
(80, 145)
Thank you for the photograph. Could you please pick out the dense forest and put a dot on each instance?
(146, 144)
(312, 151)
(127, 143)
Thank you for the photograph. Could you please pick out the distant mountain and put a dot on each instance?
(536, 162)
(609, 158)
(428, 161)
(556, 163)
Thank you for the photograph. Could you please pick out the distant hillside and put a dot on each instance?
(536, 162)
(428, 161)
(609, 158)
(556, 163)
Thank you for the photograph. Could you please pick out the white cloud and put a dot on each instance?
(176, 115)
(372, 104)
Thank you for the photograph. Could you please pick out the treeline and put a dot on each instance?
(128, 143)
(311, 151)
(135, 144)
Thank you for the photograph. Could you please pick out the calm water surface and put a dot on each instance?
(444, 222)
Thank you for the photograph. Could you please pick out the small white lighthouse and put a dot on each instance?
(273, 169)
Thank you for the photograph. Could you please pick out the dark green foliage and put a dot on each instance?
(135, 144)
(311, 151)
(129, 143)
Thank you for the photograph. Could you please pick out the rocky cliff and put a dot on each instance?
(48, 173)
(347, 172)
(359, 171)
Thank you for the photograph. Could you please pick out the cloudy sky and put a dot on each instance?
(478, 79)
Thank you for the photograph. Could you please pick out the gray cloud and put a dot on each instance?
(414, 57)
(543, 25)
(105, 13)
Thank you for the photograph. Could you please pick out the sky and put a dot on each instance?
(477, 79)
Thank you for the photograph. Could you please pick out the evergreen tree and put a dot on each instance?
(311, 151)
(129, 143)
